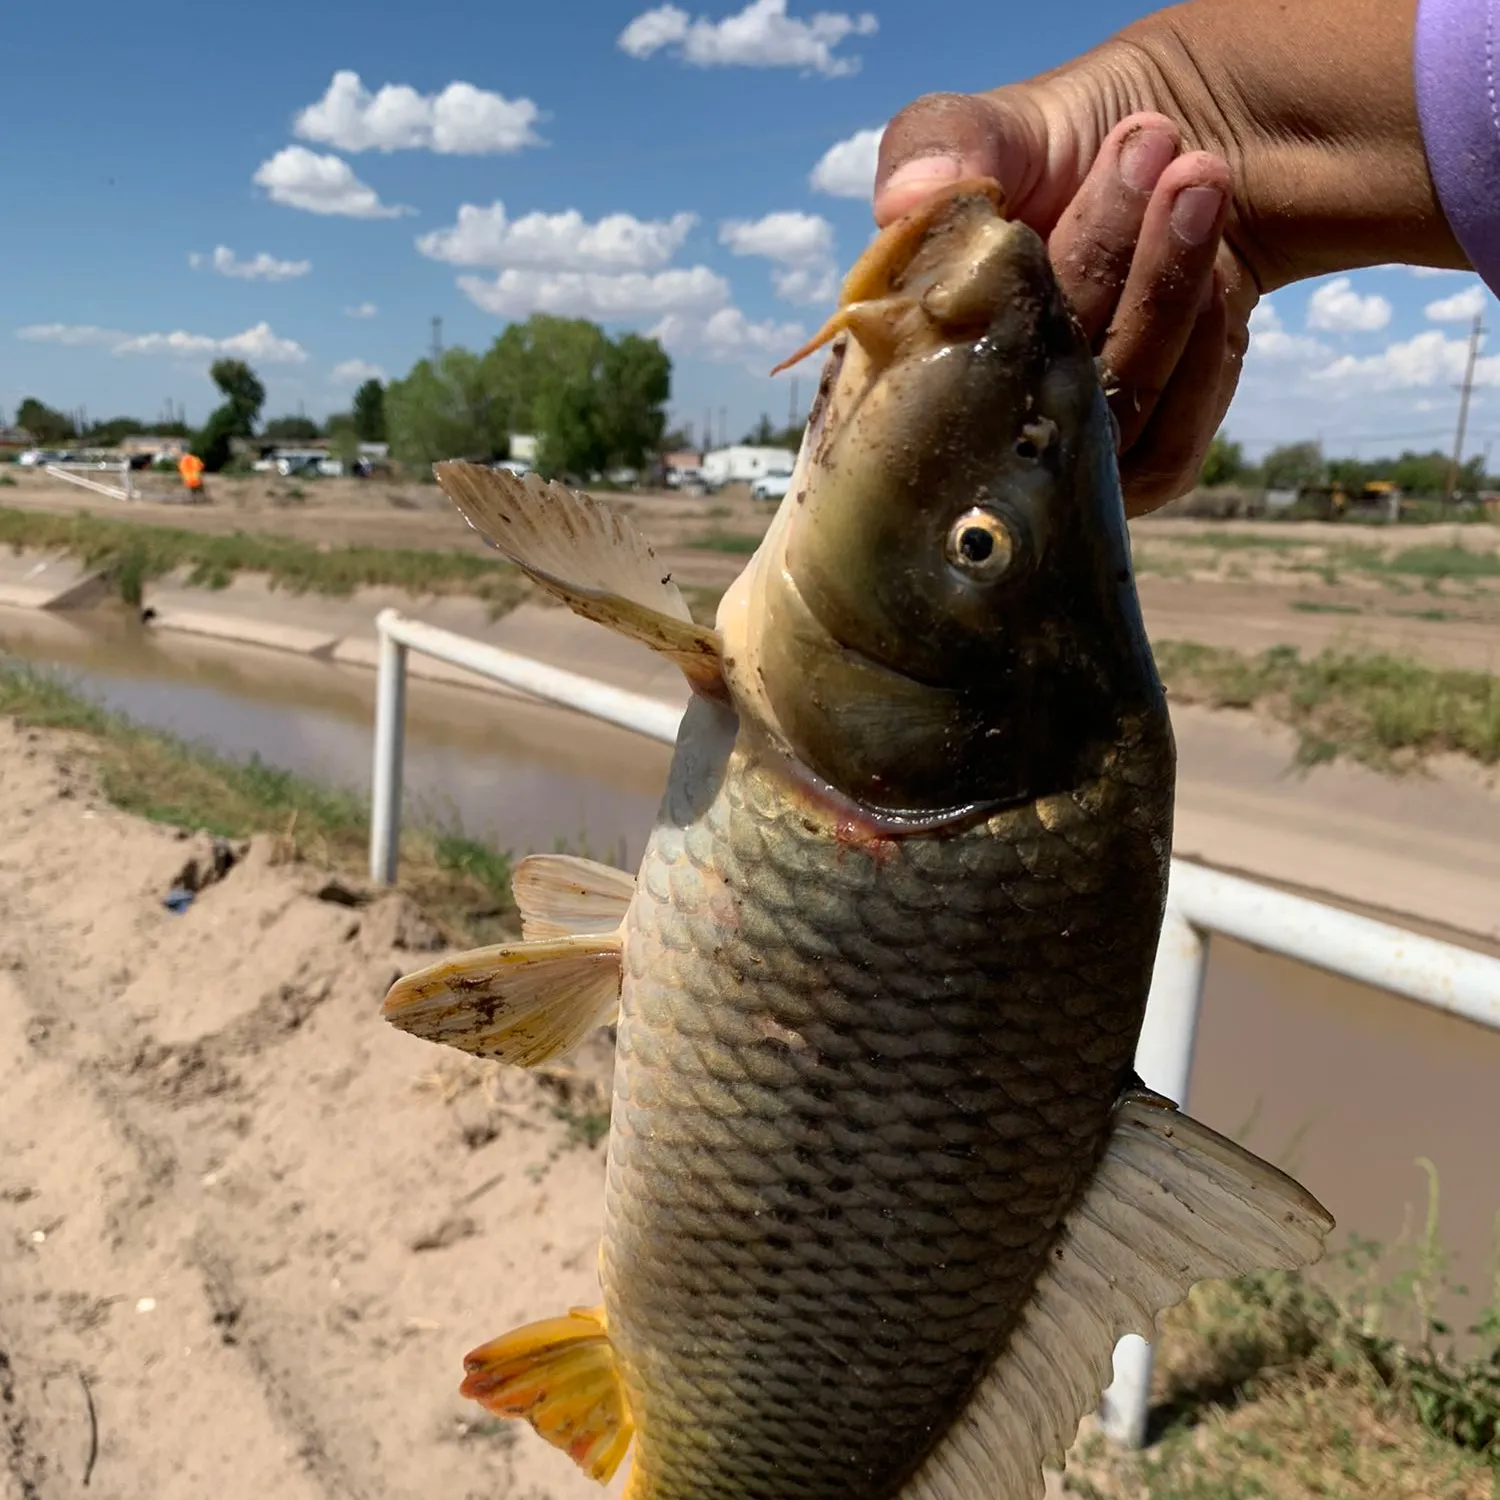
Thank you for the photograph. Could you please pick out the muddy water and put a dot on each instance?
(523, 776)
(1343, 1085)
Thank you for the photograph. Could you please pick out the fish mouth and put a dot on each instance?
(940, 275)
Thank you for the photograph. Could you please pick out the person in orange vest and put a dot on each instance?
(190, 466)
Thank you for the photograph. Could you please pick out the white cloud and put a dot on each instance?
(1265, 318)
(75, 335)
(258, 343)
(847, 168)
(263, 267)
(1337, 308)
(791, 238)
(355, 372)
(460, 121)
(516, 293)
(364, 310)
(1429, 359)
(800, 247)
(1277, 346)
(1460, 307)
(729, 337)
(300, 178)
(557, 242)
(1435, 271)
(760, 36)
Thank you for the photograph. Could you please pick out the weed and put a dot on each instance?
(1374, 708)
(463, 885)
(1317, 607)
(738, 542)
(136, 552)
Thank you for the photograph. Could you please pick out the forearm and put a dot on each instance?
(1314, 105)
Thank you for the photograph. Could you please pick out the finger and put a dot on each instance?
(1095, 240)
(941, 137)
(1165, 290)
(1165, 461)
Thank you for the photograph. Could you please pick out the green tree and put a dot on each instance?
(115, 430)
(369, 412)
(244, 396)
(637, 379)
(291, 429)
(762, 435)
(47, 426)
(1292, 464)
(451, 410)
(1224, 463)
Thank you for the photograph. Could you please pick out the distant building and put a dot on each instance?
(151, 445)
(15, 437)
(741, 462)
(523, 447)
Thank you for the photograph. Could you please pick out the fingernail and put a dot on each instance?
(1195, 213)
(924, 172)
(1144, 157)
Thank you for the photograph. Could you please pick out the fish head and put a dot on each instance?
(944, 612)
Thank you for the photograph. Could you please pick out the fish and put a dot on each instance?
(883, 1189)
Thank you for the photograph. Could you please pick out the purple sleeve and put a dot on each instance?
(1455, 65)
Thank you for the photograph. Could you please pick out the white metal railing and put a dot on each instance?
(1200, 902)
(115, 492)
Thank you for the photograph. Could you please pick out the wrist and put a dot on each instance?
(1329, 167)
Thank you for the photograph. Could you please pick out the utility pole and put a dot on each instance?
(1465, 390)
(437, 340)
(723, 428)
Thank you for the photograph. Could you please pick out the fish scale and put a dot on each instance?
(882, 1191)
(835, 1165)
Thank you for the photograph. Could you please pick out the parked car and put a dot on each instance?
(770, 487)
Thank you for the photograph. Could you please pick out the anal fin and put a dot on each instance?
(560, 894)
(588, 556)
(523, 1003)
(560, 1375)
(1171, 1204)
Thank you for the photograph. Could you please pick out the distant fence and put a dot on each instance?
(1200, 903)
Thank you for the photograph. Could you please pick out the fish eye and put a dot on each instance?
(981, 545)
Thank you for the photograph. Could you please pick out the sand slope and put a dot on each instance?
(256, 1227)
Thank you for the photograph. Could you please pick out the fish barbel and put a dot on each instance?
(883, 1190)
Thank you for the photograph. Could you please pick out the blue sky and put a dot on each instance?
(310, 185)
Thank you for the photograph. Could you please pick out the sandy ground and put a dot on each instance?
(245, 1224)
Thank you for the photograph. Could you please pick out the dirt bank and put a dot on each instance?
(249, 1230)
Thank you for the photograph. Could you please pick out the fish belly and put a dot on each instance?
(859, 1082)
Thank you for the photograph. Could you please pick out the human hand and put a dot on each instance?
(1178, 172)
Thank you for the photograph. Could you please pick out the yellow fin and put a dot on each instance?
(524, 1003)
(588, 556)
(560, 1375)
(561, 895)
(1171, 1204)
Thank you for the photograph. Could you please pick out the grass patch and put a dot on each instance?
(1378, 709)
(1351, 1388)
(738, 542)
(1439, 562)
(1316, 607)
(462, 885)
(136, 552)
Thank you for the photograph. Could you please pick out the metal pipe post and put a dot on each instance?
(1164, 1059)
(385, 780)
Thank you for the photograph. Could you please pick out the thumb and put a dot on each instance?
(941, 138)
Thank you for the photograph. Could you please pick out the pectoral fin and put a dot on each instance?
(1171, 1204)
(588, 556)
(560, 894)
(523, 1003)
(559, 1375)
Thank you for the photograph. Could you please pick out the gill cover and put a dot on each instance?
(949, 617)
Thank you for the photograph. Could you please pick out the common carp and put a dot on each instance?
(883, 1190)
